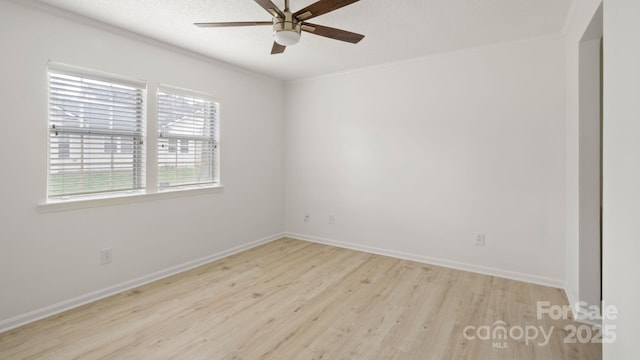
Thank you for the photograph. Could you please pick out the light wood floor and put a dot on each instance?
(291, 299)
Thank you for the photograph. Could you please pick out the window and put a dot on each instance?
(87, 116)
(188, 139)
(172, 145)
(126, 145)
(98, 142)
(110, 146)
(184, 146)
(63, 146)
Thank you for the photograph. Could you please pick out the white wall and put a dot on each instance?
(577, 23)
(621, 202)
(48, 258)
(415, 158)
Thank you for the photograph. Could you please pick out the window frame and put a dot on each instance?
(138, 161)
(150, 189)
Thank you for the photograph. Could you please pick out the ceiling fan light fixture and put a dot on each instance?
(286, 37)
(286, 31)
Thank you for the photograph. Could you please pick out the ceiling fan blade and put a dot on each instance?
(270, 7)
(230, 24)
(332, 33)
(321, 7)
(277, 48)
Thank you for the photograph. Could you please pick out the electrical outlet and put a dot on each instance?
(479, 239)
(307, 217)
(332, 219)
(106, 256)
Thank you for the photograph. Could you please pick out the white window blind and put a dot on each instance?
(188, 140)
(95, 135)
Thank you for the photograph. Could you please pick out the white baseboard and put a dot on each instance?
(513, 275)
(572, 302)
(54, 309)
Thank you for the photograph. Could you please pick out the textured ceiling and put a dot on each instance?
(395, 30)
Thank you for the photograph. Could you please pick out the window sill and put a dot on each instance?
(83, 203)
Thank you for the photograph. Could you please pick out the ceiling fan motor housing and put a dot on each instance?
(286, 31)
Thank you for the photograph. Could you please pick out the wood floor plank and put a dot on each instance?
(291, 299)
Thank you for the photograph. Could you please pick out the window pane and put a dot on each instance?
(95, 135)
(184, 146)
(188, 140)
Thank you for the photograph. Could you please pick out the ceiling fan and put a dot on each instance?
(287, 25)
